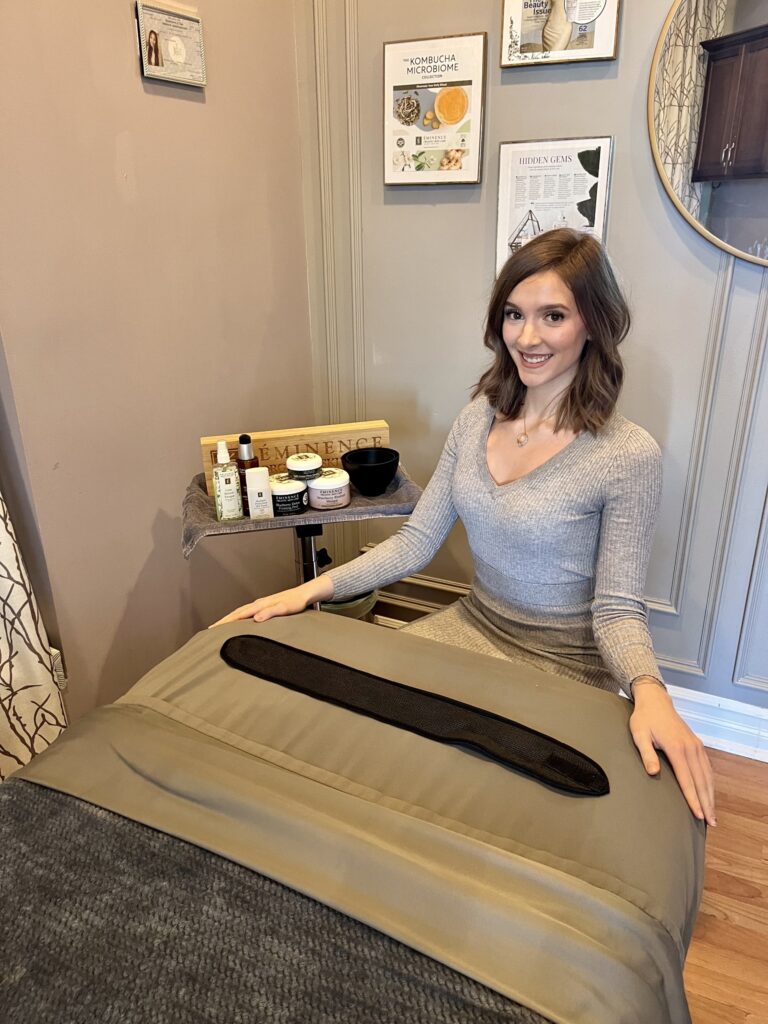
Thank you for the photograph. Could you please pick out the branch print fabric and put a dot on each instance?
(678, 93)
(31, 708)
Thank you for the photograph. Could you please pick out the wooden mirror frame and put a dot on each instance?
(657, 158)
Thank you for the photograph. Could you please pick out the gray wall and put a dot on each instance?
(695, 357)
(748, 14)
(738, 213)
(152, 290)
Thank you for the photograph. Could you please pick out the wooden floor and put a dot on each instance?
(726, 971)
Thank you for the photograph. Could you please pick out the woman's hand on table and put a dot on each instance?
(286, 602)
(655, 725)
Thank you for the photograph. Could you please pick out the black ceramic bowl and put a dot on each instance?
(371, 470)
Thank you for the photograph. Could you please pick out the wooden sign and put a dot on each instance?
(272, 447)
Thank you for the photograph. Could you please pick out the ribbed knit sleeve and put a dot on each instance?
(631, 491)
(415, 544)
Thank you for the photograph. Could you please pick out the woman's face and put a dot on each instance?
(153, 39)
(543, 330)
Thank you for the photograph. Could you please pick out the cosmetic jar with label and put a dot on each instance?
(330, 489)
(289, 496)
(304, 465)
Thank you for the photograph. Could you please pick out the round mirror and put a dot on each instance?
(708, 120)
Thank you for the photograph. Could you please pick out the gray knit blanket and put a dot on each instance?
(106, 921)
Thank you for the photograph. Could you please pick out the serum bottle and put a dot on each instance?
(245, 460)
(226, 486)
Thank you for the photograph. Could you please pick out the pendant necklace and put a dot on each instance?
(522, 439)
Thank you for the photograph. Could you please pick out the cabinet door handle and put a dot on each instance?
(731, 148)
(722, 155)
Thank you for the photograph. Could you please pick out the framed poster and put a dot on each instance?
(552, 183)
(434, 98)
(558, 31)
(171, 42)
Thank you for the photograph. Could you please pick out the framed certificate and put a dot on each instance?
(434, 98)
(171, 43)
(558, 31)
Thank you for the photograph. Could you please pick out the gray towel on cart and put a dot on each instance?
(199, 514)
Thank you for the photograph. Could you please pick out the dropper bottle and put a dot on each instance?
(245, 460)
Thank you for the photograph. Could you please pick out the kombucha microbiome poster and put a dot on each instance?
(433, 110)
(557, 31)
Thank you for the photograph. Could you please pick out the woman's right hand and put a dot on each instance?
(286, 602)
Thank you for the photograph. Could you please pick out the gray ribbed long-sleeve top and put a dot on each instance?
(560, 554)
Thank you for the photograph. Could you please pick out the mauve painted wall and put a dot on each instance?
(152, 289)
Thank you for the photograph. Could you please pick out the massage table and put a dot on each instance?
(217, 847)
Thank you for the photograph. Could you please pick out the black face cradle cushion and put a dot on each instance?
(428, 714)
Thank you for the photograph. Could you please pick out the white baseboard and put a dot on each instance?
(724, 724)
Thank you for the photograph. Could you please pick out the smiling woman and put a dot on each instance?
(545, 336)
(558, 494)
(543, 330)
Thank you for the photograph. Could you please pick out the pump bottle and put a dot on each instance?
(226, 486)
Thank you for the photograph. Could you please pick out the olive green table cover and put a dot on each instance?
(580, 908)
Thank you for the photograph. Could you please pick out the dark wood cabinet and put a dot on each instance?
(733, 135)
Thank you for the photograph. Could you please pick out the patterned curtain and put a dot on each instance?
(31, 709)
(679, 90)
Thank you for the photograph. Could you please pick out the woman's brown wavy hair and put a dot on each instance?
(583, 265)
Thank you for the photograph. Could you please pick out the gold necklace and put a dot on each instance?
(523, 439)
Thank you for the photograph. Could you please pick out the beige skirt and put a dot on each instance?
(470, 624)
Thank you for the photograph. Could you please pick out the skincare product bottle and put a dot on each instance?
(259, 493)
(226, 486)
(245, 460)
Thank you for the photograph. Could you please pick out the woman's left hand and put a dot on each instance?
(655, 725)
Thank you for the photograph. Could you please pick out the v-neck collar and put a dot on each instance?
(496, 488)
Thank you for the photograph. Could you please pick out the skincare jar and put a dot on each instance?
(330, 489)
(304, 466)
(289, 496)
